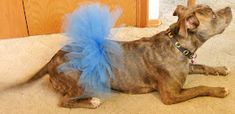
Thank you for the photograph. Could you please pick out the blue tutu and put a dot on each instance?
(89, 50)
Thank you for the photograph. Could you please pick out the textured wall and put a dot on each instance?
(167, 7)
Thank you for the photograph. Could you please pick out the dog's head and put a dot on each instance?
(202, 21)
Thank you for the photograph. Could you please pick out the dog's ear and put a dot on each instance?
(189, 23)
(180, 11)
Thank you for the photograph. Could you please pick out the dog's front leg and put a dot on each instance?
(208, 70)
(172, 92)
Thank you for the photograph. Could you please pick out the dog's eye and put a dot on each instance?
(201, 12)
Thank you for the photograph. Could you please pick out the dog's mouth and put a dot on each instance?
(221, 31)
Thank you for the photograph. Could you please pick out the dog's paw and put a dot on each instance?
(227, 70)
(221, 92)
(95, 102)
(222, 71)
(226, 91)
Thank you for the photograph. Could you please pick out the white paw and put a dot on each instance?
(95, 102)
(227, 71)
(226, 91)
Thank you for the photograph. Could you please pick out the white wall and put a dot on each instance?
(153, 9)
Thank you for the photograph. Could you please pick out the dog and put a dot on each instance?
(158, 63)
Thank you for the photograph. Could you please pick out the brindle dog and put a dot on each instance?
(154, 63)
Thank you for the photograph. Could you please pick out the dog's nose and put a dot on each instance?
(228, 14)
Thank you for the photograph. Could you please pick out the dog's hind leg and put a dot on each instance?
(66, 85)
(75, 102)
(203, 69)
(171, 92)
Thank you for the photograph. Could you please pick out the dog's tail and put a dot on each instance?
(88, 30)
(42, 72)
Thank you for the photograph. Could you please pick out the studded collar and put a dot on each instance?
(183, 50)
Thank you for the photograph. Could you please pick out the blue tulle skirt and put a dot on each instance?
(89, 50)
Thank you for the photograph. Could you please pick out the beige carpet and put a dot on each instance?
(20, 58)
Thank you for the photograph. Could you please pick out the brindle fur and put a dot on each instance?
(154, 63)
